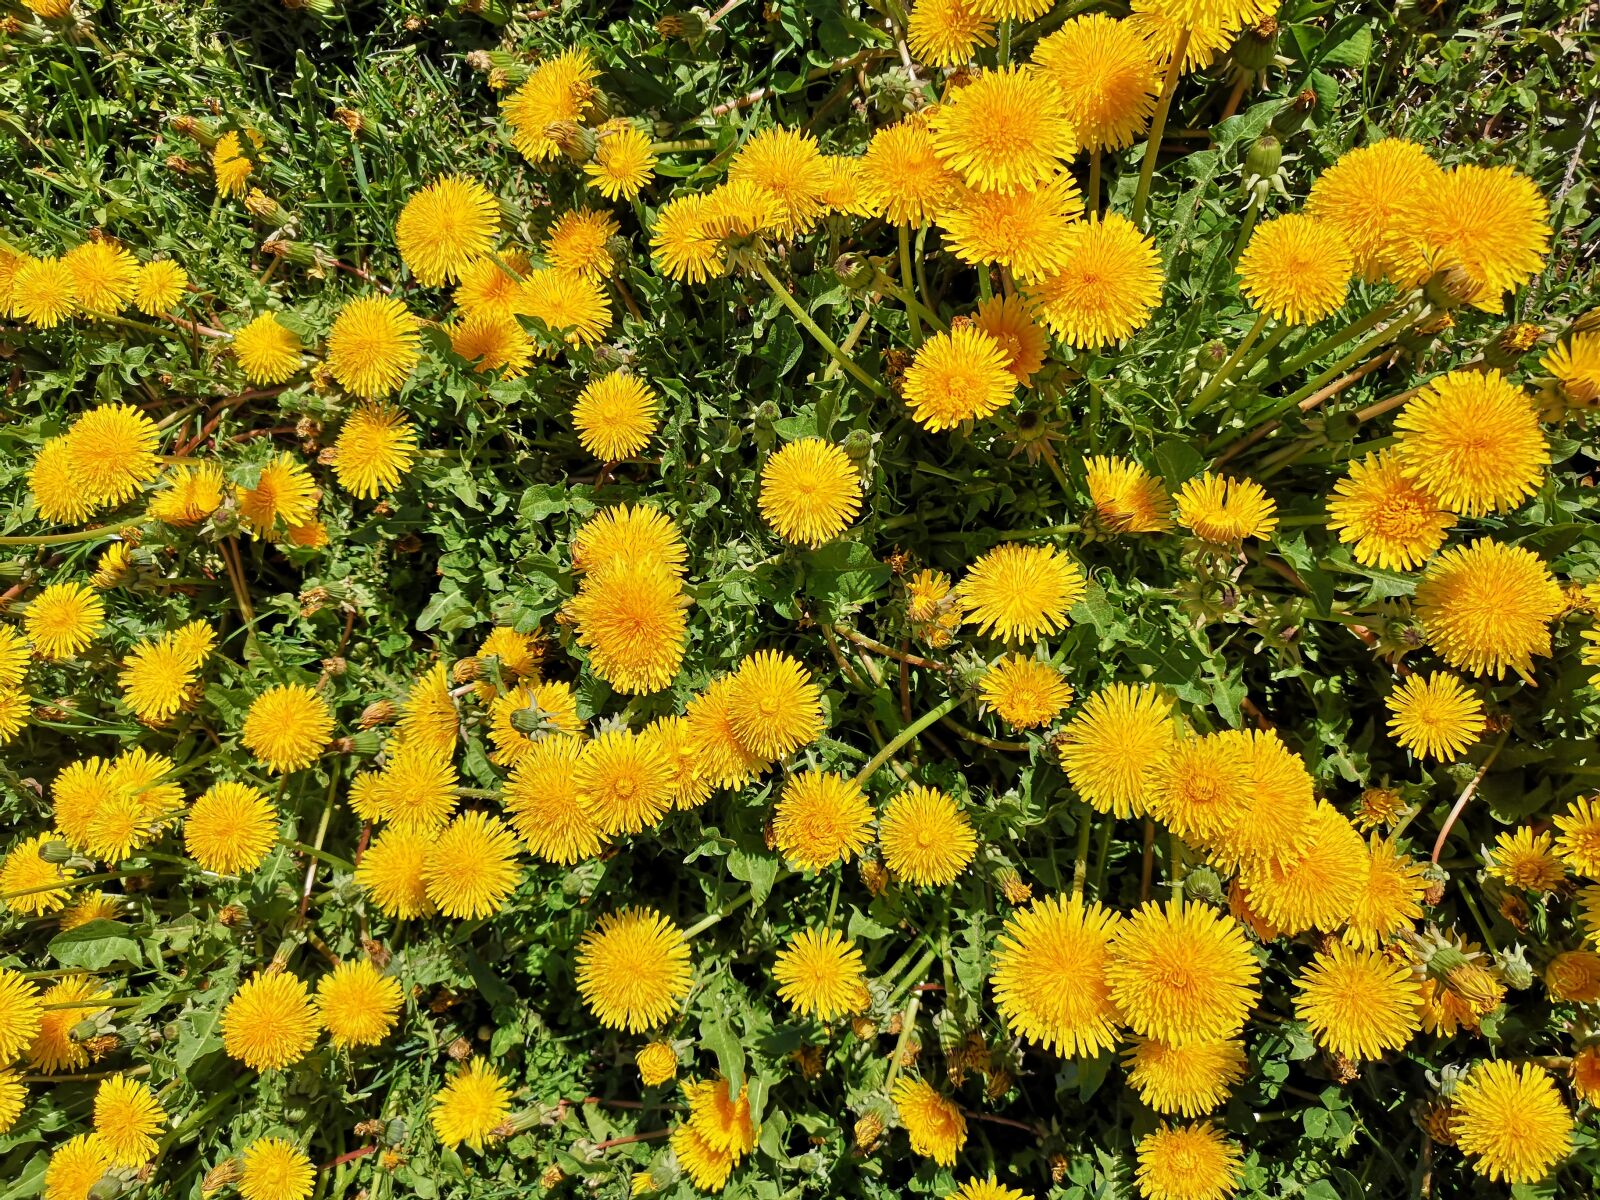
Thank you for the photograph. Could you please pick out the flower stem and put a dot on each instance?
(77, 881)
(904, 736)
(1214, 384)
(683, 147)
(1158, 125)
(333, 860)
(907, 283)
(811, 327)
(1080, 859)
(1337, 338)
(82, 535)
(1246, 227)
(731, 907)
(972, 735)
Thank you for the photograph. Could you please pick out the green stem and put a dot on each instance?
(333, 860)
(83, 535)
(1003, 51)
(1175, 867)
(1337, 338)
(811, 327)
(985, 287)
(101, 1002)
(63, 884)
(1214, 384)
(904, 736)
(973, 735)
(1376, 342)
(1246, 228)
(1158, 126)
(908, 283)
(732, 906)
(914, 306)
(1267, 346)
(683, 147)
(1080, 859)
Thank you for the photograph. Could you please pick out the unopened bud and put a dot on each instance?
(1257, 46)
(869, 1128)
(300, 254)
(56, 852)
(857, 447)
(379, 712)
(1204, 884)
(685, 26)
(351, 120)
(854, 271)
(198, 131)
(265, 209)
(575, 141)
(1450, 288)
(1264, 158)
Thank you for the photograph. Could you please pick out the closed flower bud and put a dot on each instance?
(551, 1177)
(685, 26)
(1264, 157)
(869, 1128)
(265, 209)
(351, 120)
(56, 853)
(575, 141)
(1205, 885)
(379, 712)
(1257, 46)
(224, 1174)
(197, 130)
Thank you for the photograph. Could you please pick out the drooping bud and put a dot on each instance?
(197, 130)
(576, 142)
(265, 209)
(869, 1128)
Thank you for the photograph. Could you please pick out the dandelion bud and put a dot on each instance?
(1257, 47)
(1204, 884)
(657, 1063)
(395, 1132)
(864, 1028)
(857, 447)
(1012, 887)
(1264, 158)
(351, 119)
(57, 853)
(685, 26)
(468, 669)
(1450, 287)
(1515, 968)
(379, 712)
(551, 1177)
(1435, 1122)
(265, 209)
(301, 254)
(1512, 343)
(182, 166)
(855, 272)
(575, 141)
(224, 1174)
(196, 130)
(875, 875)
(869, 1128)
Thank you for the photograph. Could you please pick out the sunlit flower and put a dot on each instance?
(1365, 195)
(375, 449)
(445, 226)
(75, 1168)
(579, 240)
(275, 1169)
(1111, 747)
(545, 805)
(1578, 836)
(1191, 1079)
(1488, 606)
(958, 376)
(1009, 321)
(231, 828)
(358, 1003)
(1435, 716)
(682, 242)
(1020, 592)
(127, 1118)
(43, 292)
(1188, 1162)
(471, 1106)
(1007, 130)
(287, 727)
(551, 707)
(159, 286)
(1526, 860)
(774, 705)
(946, 33)
(657, 1062)
(1358, 1003)
(25, 870)
(1107, 76)
(1049, 977)
(1182, 973)
(1575, 365)
(727, 762)
(631, 618)
(819, 973)
(1224, 510)
(284, 491)
(1028, 232)
(624, 160)
(624, 782)
(471, 867)
(1107, 285)
(821, 818)
(788, 166)
(1296, 269)
(373, 346)
(1510, 1121)
(391, 872)
(63, 619)
(1024, 692)
(56, 491)
(571, 307)
(1574, 975)
(269, 1023)
(103, 275)
(1472, 440)
(927, 840)
(560, 89)
(934, 1122)
(1390, 519)
(615, 416)
(907, 180)
(230, 165)
(706, 1166)
(20, 1015)
(810, 491)
(111, 452)
(1390, 899)
(268, 351)
(633, 969)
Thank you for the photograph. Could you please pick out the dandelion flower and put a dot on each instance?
(493, 341)
(691, 785)
(127, 1118)
(1488, 606)
(1009, 321)
(62, 620)
(624, 782)
(1190, 1080)
(545, 805)
(1316, 887)
(283, 491)
(1187, 1162)
(445, 226)
(1435, 716)
(287, 727)
(25, 869)
(43, 292)
(1472, 440)
(721, 1117)
(111, 452)
(553, 705)
(75, 1168)
(1019, 592)
(1024, 692)
(1390, 898)
(682, 242)
(1049, 977)
(159, 286)
(774, 706)
(428, 716)
(60, 1010)
(1126, 497)
(471, 866)
(373, 346)
(1574, 975)
(1523, 859)
(560, 89)
(1578, 836)
(631, 618)
(1182, 973)
(578, 242)
(391, 872)
(230, 165)
(926, 838)
(13, 712)
(1028, 232)
(641, 531)
(820, 819)
(788, 166)
(616, 415)
(13, 1095)
(904, 175)
(20, 1015)
(270, 1022)
(657, 1063)
(471, 1106)
(417, 787)
(1007, 130)
(1575, 365)
(56, 492)
(1510, 1120)
(489, 286)
(358, 1003)
(103, 275)
(268, 351)
(1106, 287)
(633, 969)
(728, 763)
(1272, 822)
(819, 973)
(1358, 1003)
(1363, 198)
(706, 1166)
(946, 33)
(1107, 77)
(1223, 510)
(231, 828)
(1110, 748)
(275, 1169)
(1390, 520)
(810, 491)
(624, 160)
(935, 1124)
(958, 376)
(572, 307)
(375, 449)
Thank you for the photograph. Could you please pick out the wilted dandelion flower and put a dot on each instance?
(284, 490)
(1575, 365)
(1182, 973)
(616, 415)
(1578, 836)
(1107, 77)
(1574, 975)
(56, 491)
(1435, 716)
(1190, 1080)
(20, 1015)
(559, 90)
(633, 969)
(1488, 606)
(904, 175)
(287, 727)
(103, 275)
(1472, 439)
(127, 1118)
(1510, 1121)
(624, 160)
(111, 452)
(471, 1106)
(545, 805)
(269, 1023)
(1390, 899)
(1223, 510)
(358, 1003)
(819, 973)
(820, 819)
(810, 491)
(231, 828)
(946, 33)
(75, 1168)
(391, 872)
(230, 165)
(43, 292)
(1049, 975)
(1108, 283)
(958, 376)
(1365, 195)
(578, 242)
(62, 620)
(1110, 749)
(1028, 232)
(639, 531)
(624, 782)
(275, 1169)
(1007, 130)
(159, 286)
(1187, 1162)
(1358, 1003)
(1024, 692)
(1391, 520)
(1295, 269)
(682, 242)
(927, 840)
(631, 618)
(1019, 592)
(268, 351)
(375, 449)
(788, 165)
(1490, 224)
(774, 705)
(934, 1123)
(728, 763)
(1523, 859)
(1126, 497)
(373, 346)
(1009, 321)
(445, 226)
(471, 867)
(570, 306)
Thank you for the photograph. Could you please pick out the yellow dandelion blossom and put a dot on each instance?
(1434, 716)
(640, 531)
(20, 1014)
(14, 711)
(127, 1118)
(43, 292)
(904, 175)
(268, 351)
(358, 1003)
(691, 785)
(1223, 510)
(1126, 497)
(472, 867)
(1111, 747)
(821, 819)
(545, 805)
(706, 1166)
(269, 1023)
(1364, 196)
(56, 491)
(1523, 859)
(1488, 606)
(428, 715)
(571, 307)
(1575, 365)
(275, 1169)
(1009, 321)
(616, 415)
(1314, 888)
(682, 242)
(632, 619)
(774, 706)
(624, 782)
(284, 490)
(60, 1010)
(958, 376)
(624, 160)
(1472, 440)
(927, 840)
(75, 1167)
(560, 89)
(1295, 269)
(1574, 975)
(417, 787)
(159, 286)
(493, 341)
(1029, 232)
(1107, 286)
(391, 872)
(103, 275)
(287, 727)
(1187, 1162)
(788, 166)
(934, 1122)
(374, 450)
(1107, 76)
(819, 974)
(445, 226)
(1024, 692)
(489, 286)
(579, 240)
(1578, 836)
(1358, 1003)
(25, 869)
(1007, 130)
(230, 165)
(1019, 592)
(1182, 973)
(231, 828)
(1510, 1121)
(1390, 899)
(1390, 520)
(810, 491)
(633, 969)
(657, 1063)
(1271, 822)
(727, 762)
(373, 346)
(13, 1097)
(111, 452)
(946, 33)
(472, 1106)
(1049, 975)
(549, 708)
(846, 193)
(1190, 1080)
(62, 620)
